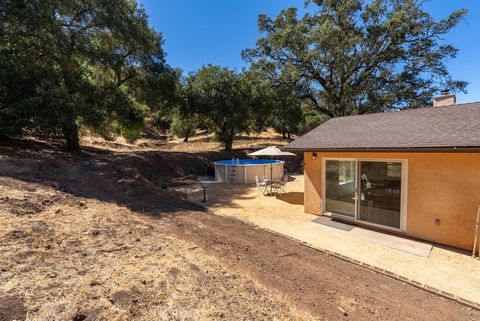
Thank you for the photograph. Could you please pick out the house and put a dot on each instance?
(414, 172)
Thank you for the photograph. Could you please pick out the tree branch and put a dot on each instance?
(317, 105)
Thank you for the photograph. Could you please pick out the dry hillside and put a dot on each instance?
(86, 237)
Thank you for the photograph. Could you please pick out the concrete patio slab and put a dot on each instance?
(445, 269)
(392, 241)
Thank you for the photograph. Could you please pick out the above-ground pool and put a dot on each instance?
(243, 171)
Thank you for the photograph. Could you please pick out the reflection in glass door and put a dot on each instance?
(340, 186)
(367, 191)
(380, 192)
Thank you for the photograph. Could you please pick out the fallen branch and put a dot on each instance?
(115, 249)
(289, 254)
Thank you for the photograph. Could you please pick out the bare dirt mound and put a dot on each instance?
(137, 180)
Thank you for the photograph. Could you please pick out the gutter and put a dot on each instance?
(388, 149)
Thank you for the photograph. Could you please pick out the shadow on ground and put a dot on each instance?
(136, 179)
(295, 198)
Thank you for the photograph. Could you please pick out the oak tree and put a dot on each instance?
(67, 65)
(353, 56)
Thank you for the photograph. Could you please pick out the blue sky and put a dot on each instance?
(215, 31)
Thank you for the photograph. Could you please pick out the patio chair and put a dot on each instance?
(261, 185)
(265, 179)
(281, 186)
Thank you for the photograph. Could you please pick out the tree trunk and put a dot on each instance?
(288, 135)
(228, 141)
(70, 127)
(70, 133)
(283, 135)
(228, 144)
(187, 136)
(226, 136)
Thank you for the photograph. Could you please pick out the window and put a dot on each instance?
(346, 173)
(394, 170)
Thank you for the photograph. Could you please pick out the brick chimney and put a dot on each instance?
(445, 99)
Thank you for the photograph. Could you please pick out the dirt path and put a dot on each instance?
(324, 285)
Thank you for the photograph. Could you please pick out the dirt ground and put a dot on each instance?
(68, 258)
(321, 284)
(95, 236)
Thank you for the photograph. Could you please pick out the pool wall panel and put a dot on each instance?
(247, 174)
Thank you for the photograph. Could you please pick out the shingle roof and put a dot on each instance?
(447, 127)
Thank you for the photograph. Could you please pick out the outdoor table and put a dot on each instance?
(270, 184)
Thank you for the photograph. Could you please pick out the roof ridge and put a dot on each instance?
(453, 126)
(470, 103)
(409, 109)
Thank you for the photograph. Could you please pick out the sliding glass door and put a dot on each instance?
(367, 191)
(380, 193)
(340, 181)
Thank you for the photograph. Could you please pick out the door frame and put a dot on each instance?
(357, 160)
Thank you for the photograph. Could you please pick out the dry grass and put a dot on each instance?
(200, 142)
(70, 258)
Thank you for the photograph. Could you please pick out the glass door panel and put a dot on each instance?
(340, 186)
(380, 192)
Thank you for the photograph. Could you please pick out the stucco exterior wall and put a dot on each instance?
(442, 192)
(313, 184)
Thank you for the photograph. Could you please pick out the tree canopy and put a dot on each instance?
(219, 95)
(71, 64)
(352, 56)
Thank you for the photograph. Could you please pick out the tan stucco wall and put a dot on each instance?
(313, 184)
(444, 186)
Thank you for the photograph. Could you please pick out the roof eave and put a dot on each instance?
(387, 149)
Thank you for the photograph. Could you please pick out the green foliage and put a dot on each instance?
(352, 56)
(184, 126)
(257, 95)
(185, 119)
(311, 118)
(66, 64)
(286, 113)
(221, 97)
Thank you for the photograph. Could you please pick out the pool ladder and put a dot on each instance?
(232, 175)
